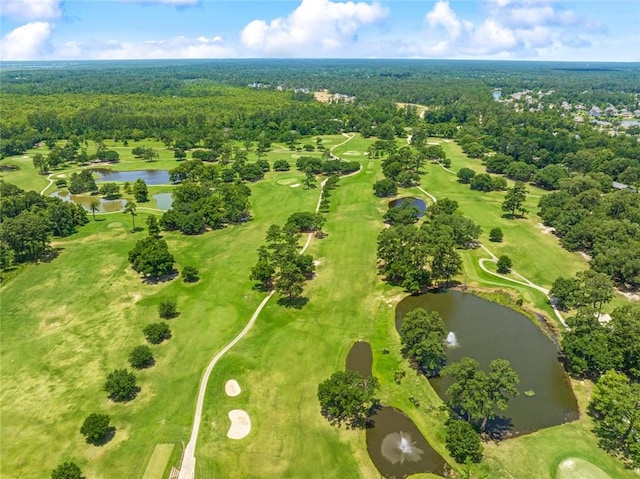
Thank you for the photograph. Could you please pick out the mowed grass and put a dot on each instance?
(535, 254)
(67, 323)
(158, 462)
(280, 363)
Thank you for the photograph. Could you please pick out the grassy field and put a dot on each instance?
(67, 323)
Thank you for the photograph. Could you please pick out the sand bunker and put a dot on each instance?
(295, 185)
(240, 424)
(232, 388)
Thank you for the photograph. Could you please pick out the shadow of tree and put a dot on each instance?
(105, 438)
(295, 302)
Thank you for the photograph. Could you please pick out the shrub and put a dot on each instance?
(504, 264)
(190, 274)
(67, 470)
(95, 427)
(141, 357)
(495, 235)
(167, 309)
(157, 332)
(121, 385)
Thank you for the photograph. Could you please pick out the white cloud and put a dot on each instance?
(443, 16)
(177, 47)
(511, 29)
(30, 9)
(314, 28)
(28, 42)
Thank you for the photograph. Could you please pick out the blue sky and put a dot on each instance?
(585, 30)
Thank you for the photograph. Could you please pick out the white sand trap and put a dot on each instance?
(576, 468)
(295, 185)
(240, 424)
(232, 388)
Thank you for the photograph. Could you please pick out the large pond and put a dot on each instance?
(150, 177)
(485, 331)
(395, 445)
(106, 206)
(417, 202)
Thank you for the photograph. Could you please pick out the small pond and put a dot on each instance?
(150, 177)
(485, 331)
(395, 445)
(496, 94)
(106, 206)
(163, 200)
(417, 202)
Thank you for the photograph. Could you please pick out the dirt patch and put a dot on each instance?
(240, 424)
(630, 295)
(546, 229)
(585, 255)
(232, 388)
(323, 96)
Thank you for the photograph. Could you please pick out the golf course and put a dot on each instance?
(70, 320)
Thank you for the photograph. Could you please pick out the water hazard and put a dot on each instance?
(395, 445)
(485, 331)
(106, 206)
(417, 202)
(150, 177)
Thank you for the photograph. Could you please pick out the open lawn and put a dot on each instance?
(67, 323)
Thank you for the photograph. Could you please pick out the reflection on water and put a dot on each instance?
(150, 177)
(106, 206)
(485, 331)
(417, 202)
(163, 200)
(398, 449)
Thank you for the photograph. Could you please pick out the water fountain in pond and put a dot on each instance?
(451, 339)
(398, 448)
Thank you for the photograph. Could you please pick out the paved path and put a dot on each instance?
(494, 259)
(188, 466)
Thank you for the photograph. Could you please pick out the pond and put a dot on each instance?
(150, 177)
(106, 206)
(496, 94)
(163, 200)
(395, 445)
(485, 331)
(417, 202)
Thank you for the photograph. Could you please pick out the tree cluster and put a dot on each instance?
(348, 398)
(28, 221)
(475, 394)
(592, 347)
(615, 408)
(202, 202)
(423, 336)
(588, 217)
(280, 265)
(415, 257)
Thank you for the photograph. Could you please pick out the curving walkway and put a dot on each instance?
(494, 259)
(188, 465)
